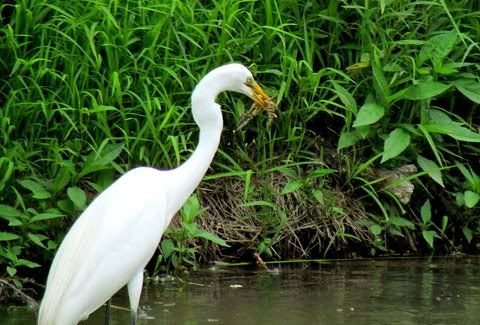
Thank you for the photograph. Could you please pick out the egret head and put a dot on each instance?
(241, 80)
(238, 78)
(234, 77)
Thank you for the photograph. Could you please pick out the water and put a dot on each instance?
(414, 291)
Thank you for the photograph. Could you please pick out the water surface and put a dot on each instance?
(398, 291)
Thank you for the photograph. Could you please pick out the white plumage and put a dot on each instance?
(112, 241)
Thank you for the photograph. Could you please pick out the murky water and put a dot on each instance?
(416, 291)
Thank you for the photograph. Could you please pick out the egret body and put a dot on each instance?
(112, 241)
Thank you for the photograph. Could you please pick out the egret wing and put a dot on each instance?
(114, 237)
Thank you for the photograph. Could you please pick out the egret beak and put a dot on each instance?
(259, 95)
(261, 102)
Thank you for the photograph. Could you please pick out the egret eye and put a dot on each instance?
(249, 81)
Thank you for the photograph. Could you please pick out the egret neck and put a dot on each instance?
(208, 116)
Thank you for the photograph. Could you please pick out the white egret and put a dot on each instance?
(112, 241)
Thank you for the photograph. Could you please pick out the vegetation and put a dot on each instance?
(375, 150)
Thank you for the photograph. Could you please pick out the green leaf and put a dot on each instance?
(10, 213)
(259, 203)
(369, 114)
(471, 199)
(440, 122)
(51, 245)
(439, 117)
(438, 48)
(190, 228)
(318, 195)
(321, 172)
(348, 139)
(472, 178)
(101, 160)
(36, 239)
(10, 254)
(167, 247)
(442, 45)
(63, 177)
(346, 98)
(426, 90)
(7, 168)
(27, 263)
(39, 192)
(78, 197)
(379, 81)
(426, 212)
(401, 222)
(11, 271)
(376, 229)
(431, 143)
(292, 187)
(66, 206)
(5, 236)
(424, 71)
(191, 209)
(398, 140)
(431, 168)
(459, 199)
(444, 223)
(455, 130)
(393, 67)
(445, 70)
(429, 236)
(211, 237)
(470, 88)
(468, 234)
(46, 216)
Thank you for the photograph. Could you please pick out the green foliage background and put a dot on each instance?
(91, 89)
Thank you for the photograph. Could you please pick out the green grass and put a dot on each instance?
(93, 89)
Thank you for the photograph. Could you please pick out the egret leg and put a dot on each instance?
(134, 291)
(107, 311)
(133, 317)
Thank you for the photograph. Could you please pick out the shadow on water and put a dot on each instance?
(398, 291)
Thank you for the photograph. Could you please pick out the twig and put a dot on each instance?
(25, 298)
